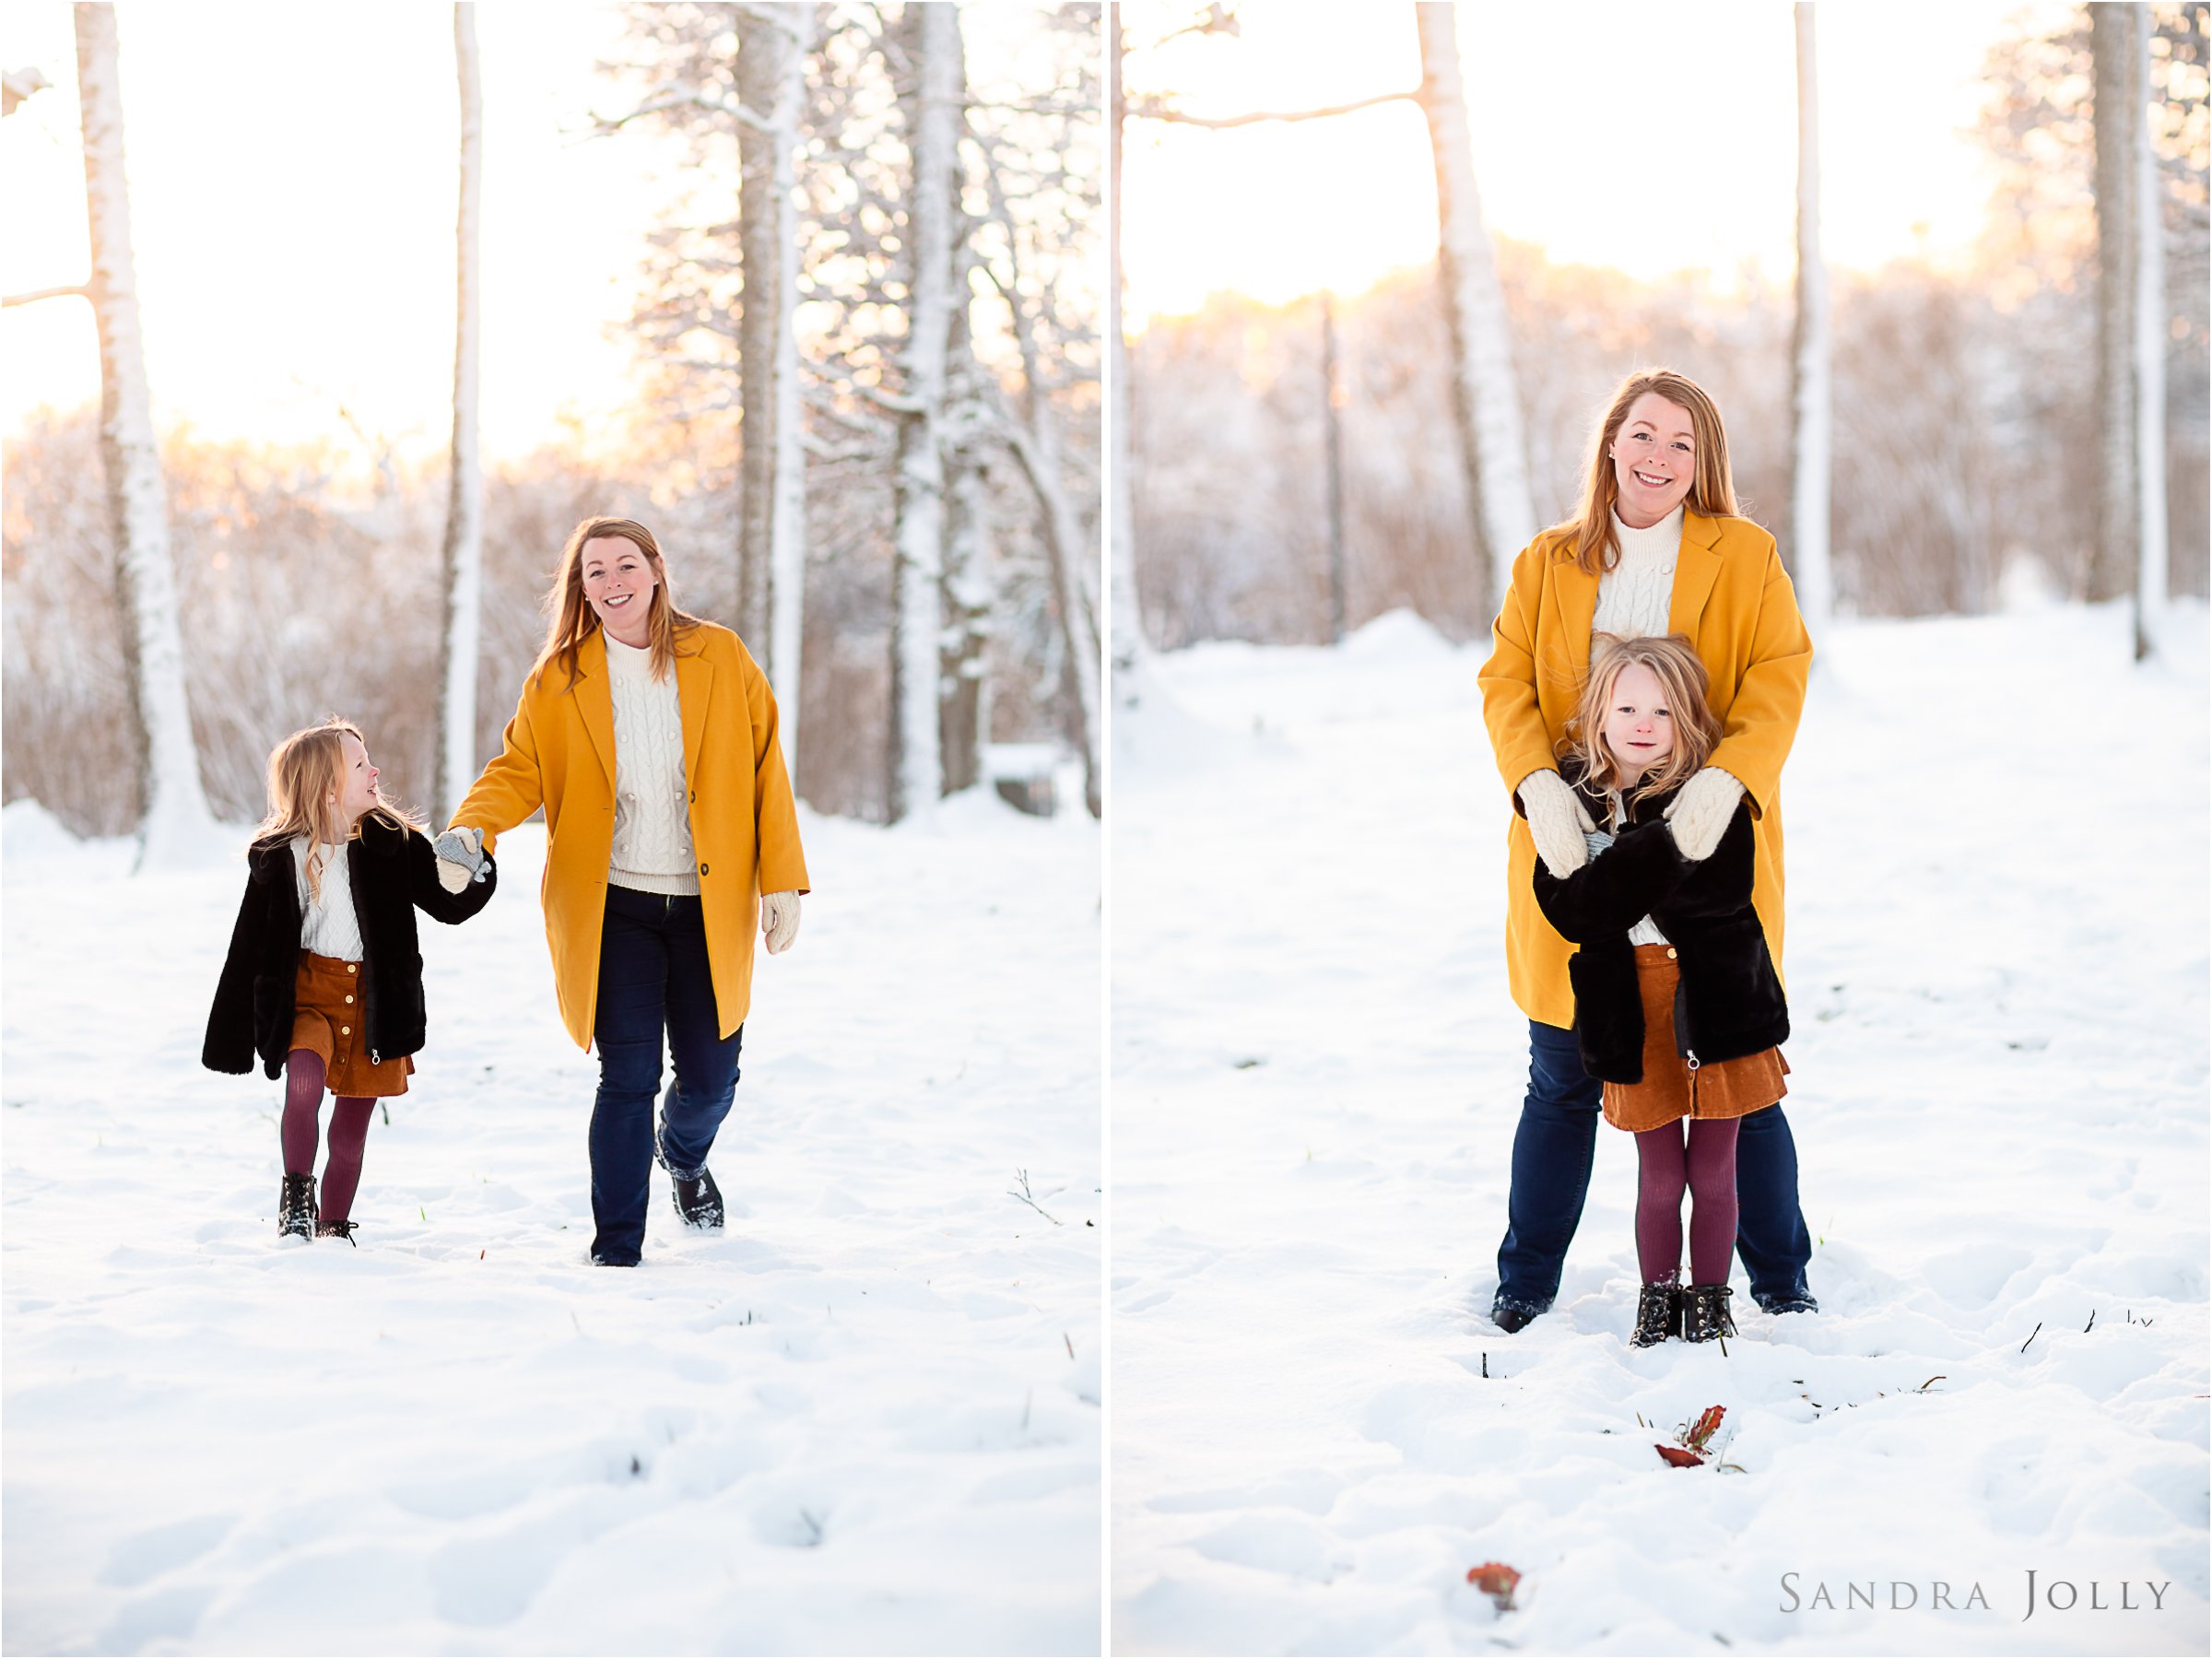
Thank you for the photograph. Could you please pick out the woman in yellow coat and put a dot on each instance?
(1657, 547)
(648, 737)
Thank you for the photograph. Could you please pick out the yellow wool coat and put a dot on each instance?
(558, 752)
(1734, 601)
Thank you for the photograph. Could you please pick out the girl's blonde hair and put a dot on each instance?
(305, 772)
(1682, 683)
(1711, 491)
(571, 619)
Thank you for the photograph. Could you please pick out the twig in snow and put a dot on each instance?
(2031, 1335)
(2092, 1324)
(1485, 1367)
(1022, 1193)
(1071, 1346)
(1931, 1382)
(814, 1529)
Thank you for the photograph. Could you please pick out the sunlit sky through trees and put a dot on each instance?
(1651, 139)
(293, 190)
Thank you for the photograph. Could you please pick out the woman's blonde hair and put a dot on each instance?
(571, 619)
(1711, 491)
(305, 772)
(1683, 684)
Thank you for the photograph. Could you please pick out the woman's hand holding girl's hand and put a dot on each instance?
(1556, 820)
(1701, 813)
(460, 858)
(779, 920)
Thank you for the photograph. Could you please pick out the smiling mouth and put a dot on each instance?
(1648, 482)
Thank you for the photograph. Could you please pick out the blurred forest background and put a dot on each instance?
(308, 572)
(1965, 425)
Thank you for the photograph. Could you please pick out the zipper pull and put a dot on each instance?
(1690, 1054)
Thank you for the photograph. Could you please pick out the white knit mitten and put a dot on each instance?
(1556, 820)
(1701, 813)
(779, 920)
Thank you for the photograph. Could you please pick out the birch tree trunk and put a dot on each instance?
(1127, 626)
(464, 550)
(1035, 441)
(1493, 450)
(969, 590)
(2150, 353)
(1811, 402)
(177, 829)
(934, 113)
(787, 534)
(2117, 97)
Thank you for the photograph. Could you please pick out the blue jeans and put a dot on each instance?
(652, 977)
(1552, 1151)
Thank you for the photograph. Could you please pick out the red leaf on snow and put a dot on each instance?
(1707, 1421)
(1680, 1457)
(1495, 1579)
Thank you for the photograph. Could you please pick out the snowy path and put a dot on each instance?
(864, 1420)
(1997, 957)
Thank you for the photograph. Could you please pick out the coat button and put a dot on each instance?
(349, 999)
(345, 1030)
(702, 869)
(1670, 957)
(349, 967)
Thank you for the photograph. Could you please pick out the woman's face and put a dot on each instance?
(1654, 460)
(617, 584)
(357, 782)
(1638, 729)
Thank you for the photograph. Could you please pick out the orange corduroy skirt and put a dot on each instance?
(1670, 1088)
(326, 1017)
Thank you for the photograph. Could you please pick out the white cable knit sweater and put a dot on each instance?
(328, 925)
(652, 826)
(1633, 596)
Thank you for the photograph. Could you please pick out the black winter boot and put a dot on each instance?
(295, 1207)
(336, 1230)
(1511, 1316)
(1658, 1314)
(699, 1202)
(1705, 1313)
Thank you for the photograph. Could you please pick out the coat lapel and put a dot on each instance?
(1574, 598)
(1697, 567)
(694, 687)
(595, 702)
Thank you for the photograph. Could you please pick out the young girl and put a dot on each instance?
(1676, 1005)
(323, 979)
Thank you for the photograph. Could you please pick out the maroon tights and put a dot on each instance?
(349, 1132)
(1708, 1168)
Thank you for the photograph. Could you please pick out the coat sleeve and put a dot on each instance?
(1616, 889)
(428, 893)
(783, 863)
(512, 787)
(229, 1044)
(1719, 884)
(1508, 679)
(1763, 722)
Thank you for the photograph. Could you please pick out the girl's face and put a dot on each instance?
(1654, 460)
(357, 782)
(617, 584)
(1638, 729)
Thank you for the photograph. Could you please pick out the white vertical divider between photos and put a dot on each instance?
(1117, 591)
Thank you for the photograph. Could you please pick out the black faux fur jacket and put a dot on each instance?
(1729, 1003)
(390, 873)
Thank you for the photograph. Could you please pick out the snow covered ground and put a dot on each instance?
(1998, 961)
(865, 1419)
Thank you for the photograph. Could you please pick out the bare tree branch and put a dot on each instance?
(1157, 108)
(51, 293)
